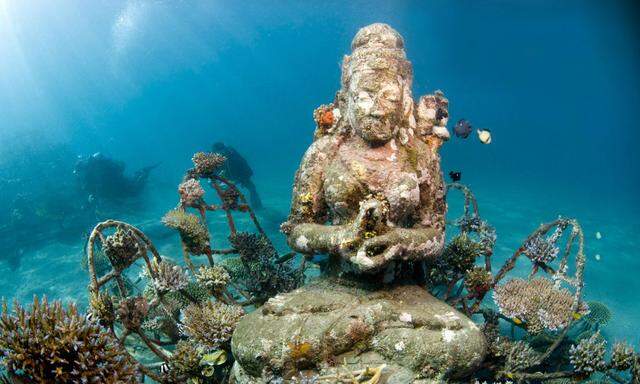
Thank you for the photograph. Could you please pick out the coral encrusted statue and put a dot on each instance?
(369, 190)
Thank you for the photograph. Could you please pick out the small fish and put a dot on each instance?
(598, 235)
(462, 128)
(577, 316)
(597, 257)
(484, 135)
(455, 176)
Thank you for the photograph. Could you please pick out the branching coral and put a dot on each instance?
(537, 302)
(478, 281)
(170, 277)
(461, 253)
(261, 275)
(207, 163)
(185, 361)
(191, 192)
(121, 248)
(622, 356)
(588, 355)
(132, 312)
(192, 232)
(543, 249)
(519, 356)
(458, 257)
(101, 306)
(210, 324)
(50, 344)
(214, 278)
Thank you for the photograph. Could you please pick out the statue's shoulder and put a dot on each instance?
(322, 149)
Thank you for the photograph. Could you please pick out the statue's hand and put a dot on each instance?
(371, 219)
(377, 251)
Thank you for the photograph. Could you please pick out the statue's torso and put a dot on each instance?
(359, 170)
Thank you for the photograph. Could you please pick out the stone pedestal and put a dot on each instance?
(328, 327)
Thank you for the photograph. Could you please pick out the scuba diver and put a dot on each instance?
(102, 177)
(238, 170)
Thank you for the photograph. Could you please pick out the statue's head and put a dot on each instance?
(376, 79)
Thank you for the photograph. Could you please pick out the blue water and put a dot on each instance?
(153, 81)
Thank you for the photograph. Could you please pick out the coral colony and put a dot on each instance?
(393, 302)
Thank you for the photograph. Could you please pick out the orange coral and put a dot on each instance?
(326, 118)
(323, 115)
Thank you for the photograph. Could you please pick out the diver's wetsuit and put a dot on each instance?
(237, 169)
(103, 177)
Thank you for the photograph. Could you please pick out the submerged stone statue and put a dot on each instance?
(369, 191)
(370, 195)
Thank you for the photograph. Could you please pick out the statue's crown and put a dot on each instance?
(378, 35)
(377, 47)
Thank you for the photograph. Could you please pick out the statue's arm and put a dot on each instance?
(306, 227)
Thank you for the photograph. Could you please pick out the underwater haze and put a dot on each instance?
(146, 83)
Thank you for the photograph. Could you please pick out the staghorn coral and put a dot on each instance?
(206, 163)
(543, 249)
(214, 278)
(170, 277)
(622, 356)
(192, 232)
(210, 324)
(101, 306)
(191, 192)
(519, 356)
(121, 248)
(587, 356)
(132, 312)
(635, 370)
(537, 302)
(51, 344)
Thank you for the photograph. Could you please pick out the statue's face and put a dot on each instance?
(375, 105)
